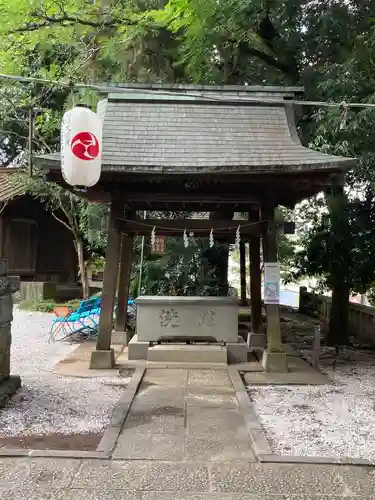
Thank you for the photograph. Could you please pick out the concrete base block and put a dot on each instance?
(256, 340)
(237, 353)
(275, 362)
(102, 360)
(8, 387)
(188, 354)
(118, 338)
(136, 349)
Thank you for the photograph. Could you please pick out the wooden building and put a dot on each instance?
(37, 247)
(201, 148)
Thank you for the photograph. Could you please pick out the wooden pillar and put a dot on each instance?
(255, 285)
(255, 276)
(243, 273)
(255, 339)
(103, 357)
(123, 288)
(274, 358)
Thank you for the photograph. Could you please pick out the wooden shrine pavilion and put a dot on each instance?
(202, 149)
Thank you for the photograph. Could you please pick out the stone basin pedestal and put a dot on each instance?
(188, 329)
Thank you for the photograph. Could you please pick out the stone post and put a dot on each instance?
(8, 285)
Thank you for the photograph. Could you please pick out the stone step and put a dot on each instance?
(179, 353)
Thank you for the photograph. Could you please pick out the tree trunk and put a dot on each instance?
(338, 333)
(82, 268)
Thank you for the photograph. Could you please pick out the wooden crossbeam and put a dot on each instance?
(199, 197)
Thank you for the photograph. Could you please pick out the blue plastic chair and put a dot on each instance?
(84, 321)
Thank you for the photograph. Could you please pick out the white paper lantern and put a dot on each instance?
(81, 147)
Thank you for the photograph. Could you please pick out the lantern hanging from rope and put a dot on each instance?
(81, 147)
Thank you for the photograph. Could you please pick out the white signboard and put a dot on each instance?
(271, 283)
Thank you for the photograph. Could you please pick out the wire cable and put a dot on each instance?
(108, 88)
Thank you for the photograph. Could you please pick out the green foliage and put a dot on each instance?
(78, 215)
(326, 46)
(321, 248)
(46, 306)
(37, 305)
(178, 271)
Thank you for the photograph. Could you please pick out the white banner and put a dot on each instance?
(271, 283)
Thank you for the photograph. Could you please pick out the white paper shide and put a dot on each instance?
(271, 283)
(81, 147)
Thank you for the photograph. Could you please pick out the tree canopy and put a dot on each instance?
(328, 47)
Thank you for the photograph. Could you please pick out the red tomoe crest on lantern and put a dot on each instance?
(85, 146)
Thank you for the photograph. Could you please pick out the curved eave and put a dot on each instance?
(53, 162)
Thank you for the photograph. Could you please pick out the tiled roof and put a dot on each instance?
(182, 134)
(8, 188)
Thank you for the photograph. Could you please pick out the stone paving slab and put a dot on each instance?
(68, 494)
(156, 421)
(276, 479)
(360, 480)
(209, 378)
(165, 406)
(223, 448)
(206, 419)
(212, 400)
(132, 445)
(141, 475)
(30, 494)
(234, 496)
(157, 392)
(42, 473)
(43, 479)
(76, 494)
(112, 494)
(165, 377)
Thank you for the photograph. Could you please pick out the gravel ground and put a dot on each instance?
(48, 404)
(332, 420)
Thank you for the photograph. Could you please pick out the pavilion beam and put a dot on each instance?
(274, 357)
(199, 197)
(255, 339)
(103, 357)
(120, 335)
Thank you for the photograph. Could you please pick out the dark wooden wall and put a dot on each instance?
(36, 245)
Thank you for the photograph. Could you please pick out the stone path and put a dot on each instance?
(185, 415)
(61, 479)
(184, 439)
